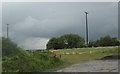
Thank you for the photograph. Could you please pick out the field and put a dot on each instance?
(85, 54)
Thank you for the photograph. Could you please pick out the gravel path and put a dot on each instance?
(93, 66)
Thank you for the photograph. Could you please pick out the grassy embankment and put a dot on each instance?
(71, 56)
(84, 54)
(29, 62)
(15, 59)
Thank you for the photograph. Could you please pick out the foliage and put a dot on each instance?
(105, 41)
(16, 59)
(9, 47)
(0, 41)
(55, 43)
(73, 41)
(66, 41)
(32, 63)
(108, 41)
(0, 48)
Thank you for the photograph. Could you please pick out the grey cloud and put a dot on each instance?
(46, 20)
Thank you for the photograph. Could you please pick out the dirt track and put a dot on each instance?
(93, 66)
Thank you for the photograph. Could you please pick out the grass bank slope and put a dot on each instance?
(15, 59)
(85, 54)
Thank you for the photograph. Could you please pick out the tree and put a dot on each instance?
(108, 41)
(55, 43)
(105, 41)
(66, 41)
(9, 47)
(52, 43)
(72, 41)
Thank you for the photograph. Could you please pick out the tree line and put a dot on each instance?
(76, 41)
(105, 41)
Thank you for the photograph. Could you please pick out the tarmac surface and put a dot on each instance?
(93, 66)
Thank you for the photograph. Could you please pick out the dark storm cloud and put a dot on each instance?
(46, 20)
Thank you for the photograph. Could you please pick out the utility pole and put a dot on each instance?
(7, 31)
(86, 29)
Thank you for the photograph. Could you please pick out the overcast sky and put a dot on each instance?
(33, 24)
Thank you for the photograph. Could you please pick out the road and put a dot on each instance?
(93, 66)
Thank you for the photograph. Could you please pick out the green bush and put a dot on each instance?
(17, 60)
(9, 47)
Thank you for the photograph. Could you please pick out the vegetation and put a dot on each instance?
(38, 60)
(105, 41)
(66, 41)
(76, 41)
(84, 54)
(17, 60)
(55, 43)
(0, 48)
(10, 48)
(0, 54)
